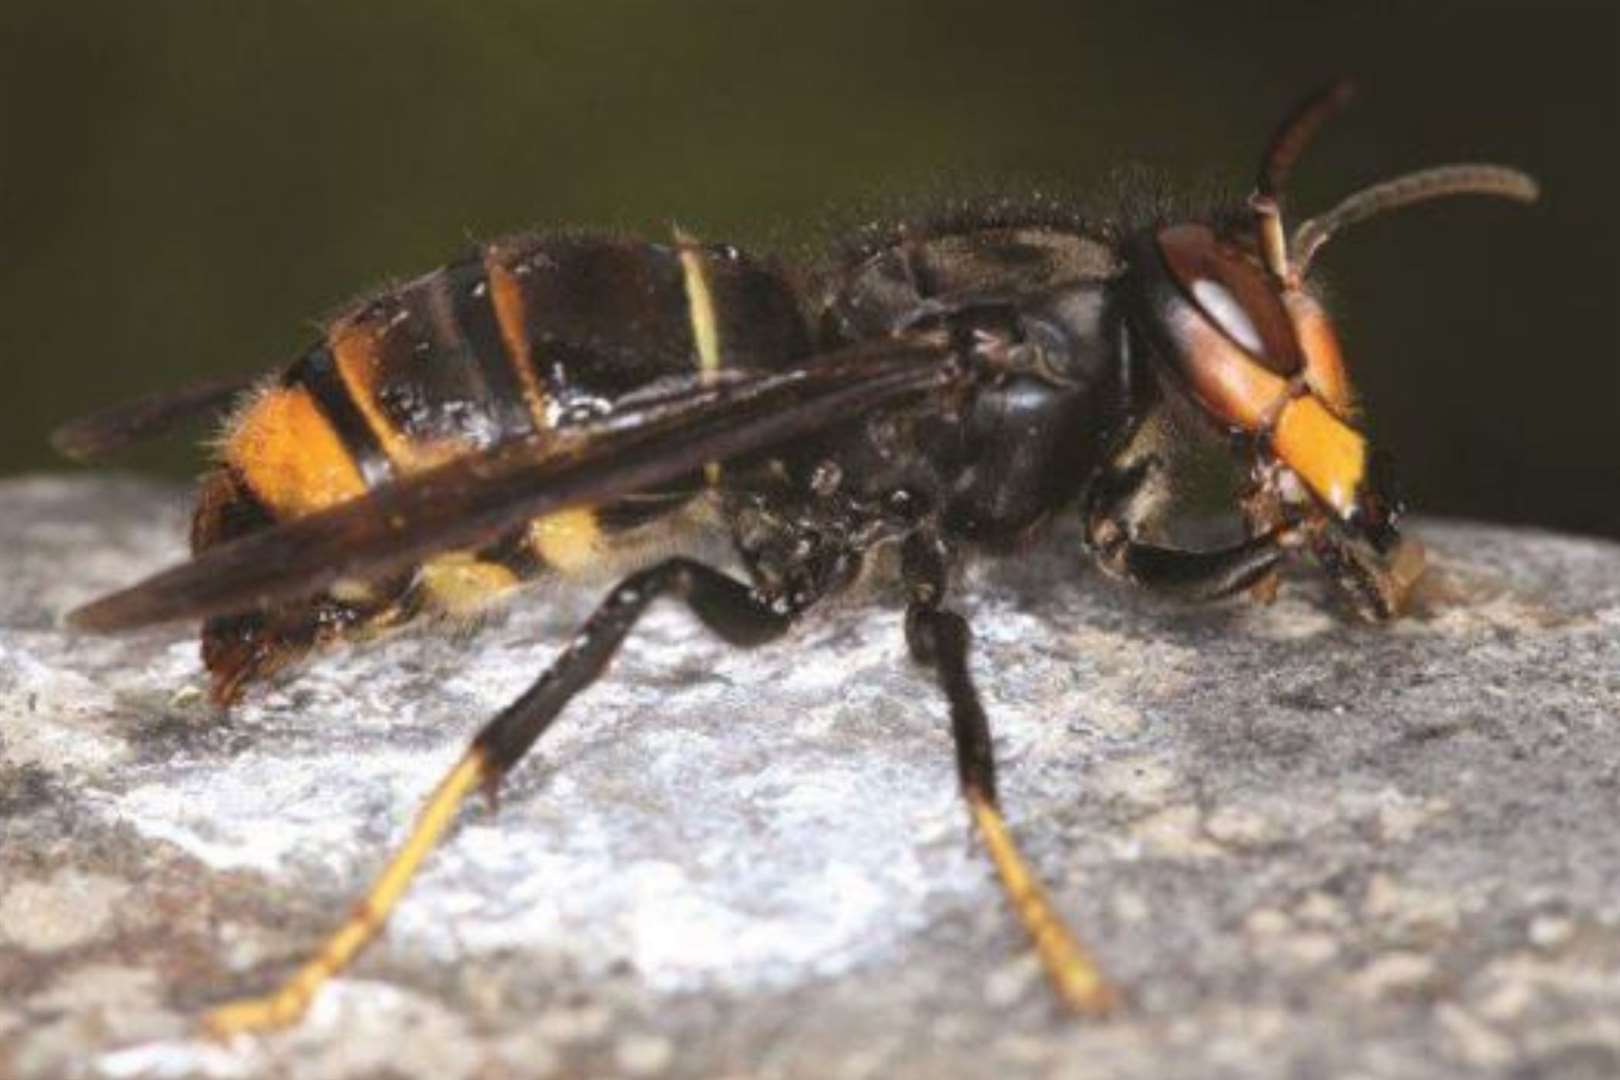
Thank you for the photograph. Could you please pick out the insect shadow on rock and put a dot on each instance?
(557, 403)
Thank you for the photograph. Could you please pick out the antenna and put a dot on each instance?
(1436, 183)
(1287, 143)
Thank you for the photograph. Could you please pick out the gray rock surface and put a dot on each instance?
(1303, 846)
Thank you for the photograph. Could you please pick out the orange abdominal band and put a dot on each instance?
(290, 455)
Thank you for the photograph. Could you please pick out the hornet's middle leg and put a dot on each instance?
(939, 639)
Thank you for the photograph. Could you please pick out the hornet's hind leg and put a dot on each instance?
(726, 606)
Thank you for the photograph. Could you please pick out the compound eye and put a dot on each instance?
(1233, 294)
(1218, 304)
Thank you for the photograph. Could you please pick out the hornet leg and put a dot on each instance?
(939, 639)
(1111, 526)
(726, 606)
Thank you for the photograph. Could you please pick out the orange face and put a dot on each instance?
(1260, 357)
(1265, 362)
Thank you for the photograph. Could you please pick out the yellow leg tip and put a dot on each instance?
(287, 1005)
(1087, 993)
(255, 1015)
(1074, 975)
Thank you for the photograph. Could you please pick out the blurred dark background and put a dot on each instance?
(184, 187)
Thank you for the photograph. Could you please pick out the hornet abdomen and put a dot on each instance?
(523, 337)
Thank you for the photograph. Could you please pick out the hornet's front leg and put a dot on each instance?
(939, 639)
(1113, 517)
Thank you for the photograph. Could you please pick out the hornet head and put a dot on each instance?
(1230, 314)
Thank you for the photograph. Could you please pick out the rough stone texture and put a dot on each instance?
(1305, 847)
